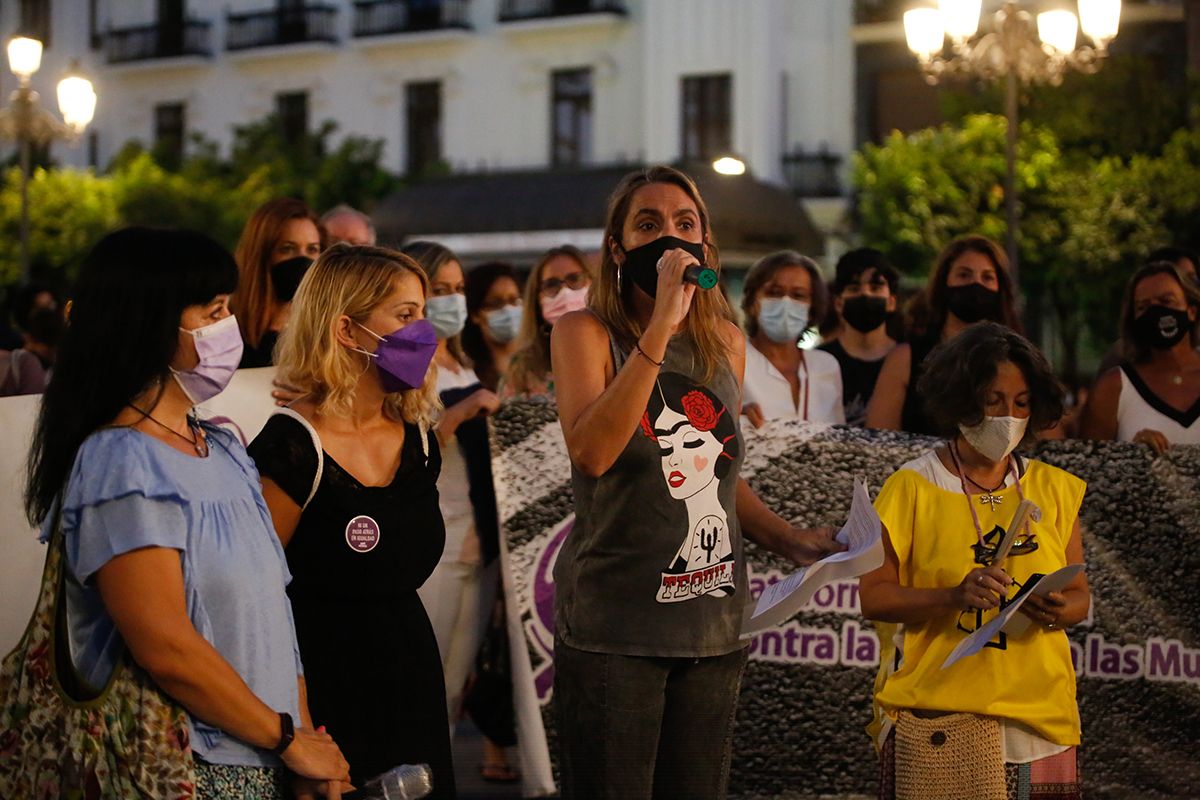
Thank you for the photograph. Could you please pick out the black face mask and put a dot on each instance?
(973, 302)
(286, 275)
(641, 263)
(1160, 327)
(864, 313)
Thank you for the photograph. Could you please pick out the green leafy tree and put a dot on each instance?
(69, 211)
(1084, 222)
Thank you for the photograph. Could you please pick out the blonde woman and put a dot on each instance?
(349, 473)
(557, 285)
(651, 582)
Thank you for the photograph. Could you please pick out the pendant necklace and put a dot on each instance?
(962, 480)
(989, 496)
(198, 441)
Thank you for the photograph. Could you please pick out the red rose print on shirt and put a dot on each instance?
(700, 411)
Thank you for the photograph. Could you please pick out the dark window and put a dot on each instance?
(571, 117)
(169, 133)
(93, 150)
(292, 110)
(707, 116)
(423, 105)
(35, 20)
(171, 19)
(95, 36)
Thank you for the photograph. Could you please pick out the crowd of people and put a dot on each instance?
(319, 602)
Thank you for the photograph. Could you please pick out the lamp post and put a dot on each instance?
(28, 123)
(1018, 50)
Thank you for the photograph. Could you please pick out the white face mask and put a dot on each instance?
(996, 437)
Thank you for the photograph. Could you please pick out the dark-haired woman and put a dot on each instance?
(493, 320)
(970, 283)
(169, 544)
(944, 513)
(1155, 397)
(785, 298)
(651, 582)
(276, 248)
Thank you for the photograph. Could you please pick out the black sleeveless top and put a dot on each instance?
(913, 419)
(357, 557)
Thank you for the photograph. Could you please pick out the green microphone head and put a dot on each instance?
(706, 278)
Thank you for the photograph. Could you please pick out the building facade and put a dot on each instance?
(461, 86)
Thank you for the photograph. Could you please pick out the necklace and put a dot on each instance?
(989, 496)
(962, 482)
(198, 442)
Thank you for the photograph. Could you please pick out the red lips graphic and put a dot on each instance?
(676, 479)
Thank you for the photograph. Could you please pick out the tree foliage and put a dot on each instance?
(71, 209)
(1085, 221)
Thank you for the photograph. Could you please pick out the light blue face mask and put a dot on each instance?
(447, 313)
(782, 319)
(504, 323)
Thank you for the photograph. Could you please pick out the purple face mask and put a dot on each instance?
(403, 357)
(219, 346)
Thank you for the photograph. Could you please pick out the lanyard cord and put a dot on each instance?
(963, 483)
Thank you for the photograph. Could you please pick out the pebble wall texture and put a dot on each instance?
(800, 730)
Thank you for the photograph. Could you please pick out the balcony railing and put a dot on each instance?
(514, 10)
(311, 23)
(147, 42)
(382, 17)
(813, 174)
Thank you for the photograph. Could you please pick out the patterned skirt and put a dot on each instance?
(1053, 778)
(234, 782)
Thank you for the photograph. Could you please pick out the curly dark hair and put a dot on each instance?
(958, 372)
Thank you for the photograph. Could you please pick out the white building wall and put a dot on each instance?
(496, 79)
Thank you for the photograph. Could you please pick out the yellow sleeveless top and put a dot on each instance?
(1027, 678)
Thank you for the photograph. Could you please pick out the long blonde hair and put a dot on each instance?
(350, 281)
(608, 301)
(531, 363)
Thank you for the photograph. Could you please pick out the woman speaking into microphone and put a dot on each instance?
(651, 580)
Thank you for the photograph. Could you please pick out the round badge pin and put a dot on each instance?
(362, 534)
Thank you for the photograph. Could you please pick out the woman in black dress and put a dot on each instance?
(350, 475)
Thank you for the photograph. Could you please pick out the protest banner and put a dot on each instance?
(806, 695)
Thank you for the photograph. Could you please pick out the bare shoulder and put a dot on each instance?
(579, 327)
(733, 337)
(900, 356)
(1109, 382)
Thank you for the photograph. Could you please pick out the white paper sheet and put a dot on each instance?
(861, 534)
(1054, 582)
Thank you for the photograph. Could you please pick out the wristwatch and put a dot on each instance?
(287, 732)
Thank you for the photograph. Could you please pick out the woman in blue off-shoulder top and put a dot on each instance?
(169, 545)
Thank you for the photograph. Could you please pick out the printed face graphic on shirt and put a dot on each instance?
(697, 441)
(689, 456)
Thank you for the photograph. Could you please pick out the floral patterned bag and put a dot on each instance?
(127, 741)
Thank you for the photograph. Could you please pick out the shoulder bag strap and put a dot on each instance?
(316, 440)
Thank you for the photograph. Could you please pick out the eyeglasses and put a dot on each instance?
(552, 286)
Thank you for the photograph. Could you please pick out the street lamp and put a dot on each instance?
(1017, 49)
(28, 123)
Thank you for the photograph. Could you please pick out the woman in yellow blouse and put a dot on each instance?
(1003, 722)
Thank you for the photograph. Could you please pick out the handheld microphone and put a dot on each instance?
(700, 275)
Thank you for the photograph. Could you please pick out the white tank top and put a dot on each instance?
(1139, 408)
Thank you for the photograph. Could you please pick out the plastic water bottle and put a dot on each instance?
(405, 782)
